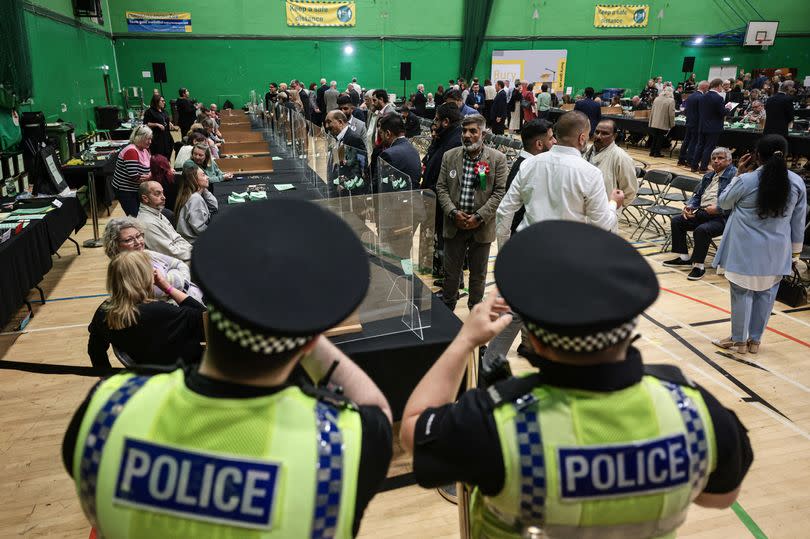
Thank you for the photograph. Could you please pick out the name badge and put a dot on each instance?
(195, 485)
(596, 472)
(453, 173)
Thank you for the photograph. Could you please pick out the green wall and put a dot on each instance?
(241, 45)
(66, 61)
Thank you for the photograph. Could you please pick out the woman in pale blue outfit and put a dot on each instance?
(766, 227)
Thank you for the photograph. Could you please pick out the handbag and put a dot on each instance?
(792, 291)
(525, 103)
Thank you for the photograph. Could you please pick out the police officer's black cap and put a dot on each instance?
(577, 285)
(285, 268)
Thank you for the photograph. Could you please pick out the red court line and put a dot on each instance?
(713, 306)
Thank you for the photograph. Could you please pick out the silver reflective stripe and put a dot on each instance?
(696, 439)
(97, 439)
(329, 473)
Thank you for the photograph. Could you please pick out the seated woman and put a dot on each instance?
(126, 234)
(201, 156)
(195, 204)
(184, 153)
(148, 331)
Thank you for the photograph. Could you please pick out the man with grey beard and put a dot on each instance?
(471, 184)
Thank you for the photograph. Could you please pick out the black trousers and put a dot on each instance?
(688, 145)
(656, 141)
(497, 127)
(705, 228)
(455, 248)
(703, 152)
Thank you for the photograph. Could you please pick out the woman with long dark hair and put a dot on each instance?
(764, 230)
(157, 119)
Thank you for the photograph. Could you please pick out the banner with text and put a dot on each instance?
(543, 67)
(621, 16)
(173, 22)
(311, 13)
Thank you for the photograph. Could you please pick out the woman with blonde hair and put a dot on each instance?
(127, 234)
(148, 331)
(132, 166)
(195, 204)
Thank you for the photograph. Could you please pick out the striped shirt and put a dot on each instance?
(130, 164)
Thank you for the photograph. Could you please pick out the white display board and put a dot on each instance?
(761, 33)
(722, 72)
(543, 66)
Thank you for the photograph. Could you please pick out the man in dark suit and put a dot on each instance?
(690, 137)
(419, 101)
(321, 101)
(499, 114)
(186, 112)
(347, 159)
(590, 108)
(471, 184)
(446, 130)
(712, 110)
(304, 96)
(399, 152)
(779, 111)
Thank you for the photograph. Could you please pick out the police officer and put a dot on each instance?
(595, 444)
(231, 448)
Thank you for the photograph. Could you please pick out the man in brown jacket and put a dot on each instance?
(471, 184)
(662, 119)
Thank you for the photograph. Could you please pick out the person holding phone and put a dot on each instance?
(768, 205)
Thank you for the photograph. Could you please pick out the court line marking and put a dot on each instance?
(758, 364)
(23, 332)
(713, 306)
(68, 298)
(780, 313)
(749, 522)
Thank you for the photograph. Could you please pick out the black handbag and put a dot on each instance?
(792, 291)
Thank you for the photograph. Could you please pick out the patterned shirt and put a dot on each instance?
(466, 201)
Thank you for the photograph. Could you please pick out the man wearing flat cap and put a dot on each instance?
(231, 448)
(593, 444)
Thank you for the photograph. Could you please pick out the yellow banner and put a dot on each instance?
(615, 16)
(311, 13)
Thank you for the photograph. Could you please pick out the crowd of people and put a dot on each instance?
(555, 215)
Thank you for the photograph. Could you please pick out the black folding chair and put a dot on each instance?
(657, 180)
(676, 191)
(123, 357)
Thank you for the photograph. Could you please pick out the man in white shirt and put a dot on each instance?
(159, 234)
(616, 164)
(560, 184)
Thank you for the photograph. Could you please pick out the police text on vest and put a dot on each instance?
(197, 485)
(623, 469)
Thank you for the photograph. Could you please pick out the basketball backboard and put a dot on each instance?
(761, 33)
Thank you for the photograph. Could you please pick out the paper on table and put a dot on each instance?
(283, 186)
(407, 266)
(35, 217)
(11, 225)
(30, 211)
(277, 158)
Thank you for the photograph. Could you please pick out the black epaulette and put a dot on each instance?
(513, 390)
(329, 397)
(668, 373)
(151, 370)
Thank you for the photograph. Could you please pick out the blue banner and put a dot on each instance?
(174, 22)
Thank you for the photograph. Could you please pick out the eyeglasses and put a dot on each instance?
(132, 239)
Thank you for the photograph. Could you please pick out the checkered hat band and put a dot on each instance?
(252, 340)
(583, 343)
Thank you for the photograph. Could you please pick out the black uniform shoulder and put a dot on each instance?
(328, 397)
(668, 373)
(512, 390)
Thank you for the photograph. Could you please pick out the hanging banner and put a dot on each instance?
(312, 13)
(172, 22)
(621, 16)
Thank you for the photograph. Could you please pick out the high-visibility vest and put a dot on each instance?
(155, 459)
(608, 465)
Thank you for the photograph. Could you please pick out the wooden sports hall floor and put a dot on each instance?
(770, 392)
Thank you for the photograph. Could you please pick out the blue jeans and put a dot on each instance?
(750, 312)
